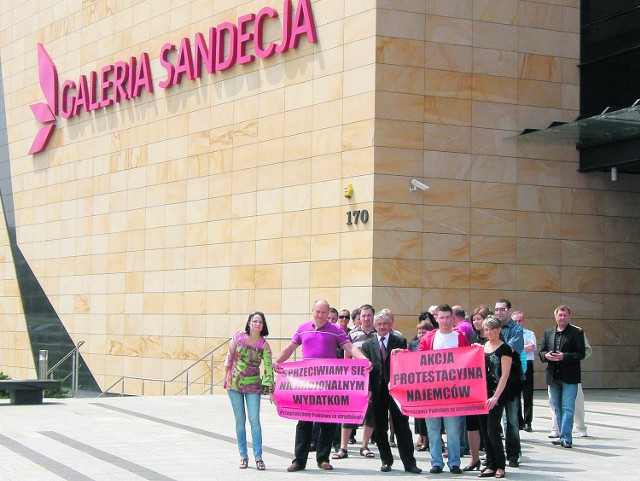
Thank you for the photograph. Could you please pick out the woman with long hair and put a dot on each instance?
(249, 349)
(478, 315)
(425, 325)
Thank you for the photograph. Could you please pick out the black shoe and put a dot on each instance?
(557, 442)
(413, 469)
(385, 468)
(436, 470)
(566, 444)
(527, 428)
(487, 473)
(513, 463)
(455, 470)
(473, 466)
(312, 448)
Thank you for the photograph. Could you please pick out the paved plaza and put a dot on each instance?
(191, 438)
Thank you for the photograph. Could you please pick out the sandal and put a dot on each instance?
(260, 465)
(366, 453)
(244, 463)
(487, 473)
(342, 453)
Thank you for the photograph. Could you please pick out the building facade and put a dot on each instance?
(192, 161)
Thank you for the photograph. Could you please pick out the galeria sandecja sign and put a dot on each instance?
(122, 80)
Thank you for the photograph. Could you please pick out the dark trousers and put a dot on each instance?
(526, 416)
(512, 433)
(382, 406)
(490, 432)
(316, 434)
(304, 431)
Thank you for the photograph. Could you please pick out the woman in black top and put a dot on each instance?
(498, 358)
(478, 316)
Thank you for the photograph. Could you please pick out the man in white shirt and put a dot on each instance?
(530, 346)
(444, 337)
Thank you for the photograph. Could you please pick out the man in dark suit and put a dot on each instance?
(378, 351)
(562, 349)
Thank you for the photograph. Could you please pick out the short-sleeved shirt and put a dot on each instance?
(319, 342)
(244, 366)
(446, 341)
(357, 336)
(528, 337)
(493, 362)
(467, 329)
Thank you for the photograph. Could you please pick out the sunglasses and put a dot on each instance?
(343, 317)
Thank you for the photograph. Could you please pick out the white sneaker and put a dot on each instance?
(583, 434)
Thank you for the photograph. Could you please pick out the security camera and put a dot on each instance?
(416, 184)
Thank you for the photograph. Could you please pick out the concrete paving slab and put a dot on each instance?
(192, 438)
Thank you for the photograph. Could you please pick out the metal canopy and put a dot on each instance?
(611, 139)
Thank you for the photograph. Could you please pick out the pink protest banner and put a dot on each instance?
(447, 382)
(323, 390)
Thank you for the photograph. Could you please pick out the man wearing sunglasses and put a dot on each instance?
(514, 337)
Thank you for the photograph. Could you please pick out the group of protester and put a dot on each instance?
(508, 353)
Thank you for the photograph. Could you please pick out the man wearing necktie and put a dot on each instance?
(378, 350)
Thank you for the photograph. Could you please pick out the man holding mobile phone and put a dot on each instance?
(562, 349)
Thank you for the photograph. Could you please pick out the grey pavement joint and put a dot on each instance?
(192, 438)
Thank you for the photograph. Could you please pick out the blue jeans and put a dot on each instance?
(452, 428)
(512, 430)
(253, 409)
(563, 398)
(464, 440)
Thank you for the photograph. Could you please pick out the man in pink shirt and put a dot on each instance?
(460, 323)
(320, 339)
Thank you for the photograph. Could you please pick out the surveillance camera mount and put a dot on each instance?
(416, 184)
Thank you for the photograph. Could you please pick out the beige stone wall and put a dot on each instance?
(155, 226)
(16, 360)
(502, 218)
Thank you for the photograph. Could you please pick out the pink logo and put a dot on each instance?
(126, 80)
(45, 112)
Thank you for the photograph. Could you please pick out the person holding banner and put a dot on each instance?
(357, 337)
(247, 350)
(319, 340)
(445, 337)
(426, 324)
(478, 316)
(378, 350)
(498, 359)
